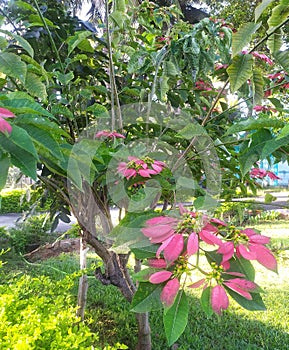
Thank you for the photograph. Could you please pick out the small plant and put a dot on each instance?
(30, 234)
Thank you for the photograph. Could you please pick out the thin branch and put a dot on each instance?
(49, 34)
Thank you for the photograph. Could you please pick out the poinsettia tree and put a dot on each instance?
(143, 118)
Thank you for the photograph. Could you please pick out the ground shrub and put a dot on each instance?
(19, 200)
(38, 313)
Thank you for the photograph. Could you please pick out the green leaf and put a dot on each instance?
(11, 65)
(275, 41)
(258, 87)
(283, 132)
(282, 57)
(261, 8)
(279, 14)
(243, 266)
(3, 43)
(240, 71)
(38, 68)
(176, 318)
(253, 153)
(64, 79)
(170, 69)
(164, 87)
(206, 203)
(147, 297)
(85, 45)
(22, 151)
(36, 20)
(75, 40)
(44, 138)
(206, 301)
(256, 304)
(4, 167)
(273, 145)
(35, 86)
(98, 110)
(254, 124)
(19, 105)
(243, 36)
(118, 18)
(191, 130)
(145, 252)
(21, 41)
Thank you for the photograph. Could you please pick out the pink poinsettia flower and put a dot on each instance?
(170, 289)
(272, 176)
(258, 173)
(4, 125)
(109, 134)
(143, 167)
(249, 245)
(262, 57)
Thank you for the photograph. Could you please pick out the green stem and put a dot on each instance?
(54, 48)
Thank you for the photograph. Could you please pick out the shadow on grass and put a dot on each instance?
(237, 329)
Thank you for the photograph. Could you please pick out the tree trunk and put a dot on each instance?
(83, 281)
(86, 207)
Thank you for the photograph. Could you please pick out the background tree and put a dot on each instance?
(64, 135)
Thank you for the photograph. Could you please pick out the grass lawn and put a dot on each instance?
(108, 312)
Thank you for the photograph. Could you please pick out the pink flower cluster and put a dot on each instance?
(4, 125)
(260, 56)
(179, 238)
(144, 167)
(258, 173)
(259, 108)
(109, 134)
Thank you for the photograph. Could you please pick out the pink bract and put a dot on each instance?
(219, 299)
(157, 263)
(4, 125)
(192, 244)
(109, 134)
(160, 277)
(170, 291)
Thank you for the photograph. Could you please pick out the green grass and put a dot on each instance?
(108, 312)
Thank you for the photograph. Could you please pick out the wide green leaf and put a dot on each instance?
(44, 139)
(282, 57)
(147, 297)
(252, 154)
(273, 145)
(75, 40)
(240, 71)
(11, 65)
(21, 41)
(4, 167)
(243, 266)
(22, 151)
(243, 36)
(258, 87)
(261, 8)
(275, 41)
(206, 301)
(145, 252)
(279, 14)
(34, 86)
(254, 124)
(176, 318)
(24, 105)
(256, 304)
